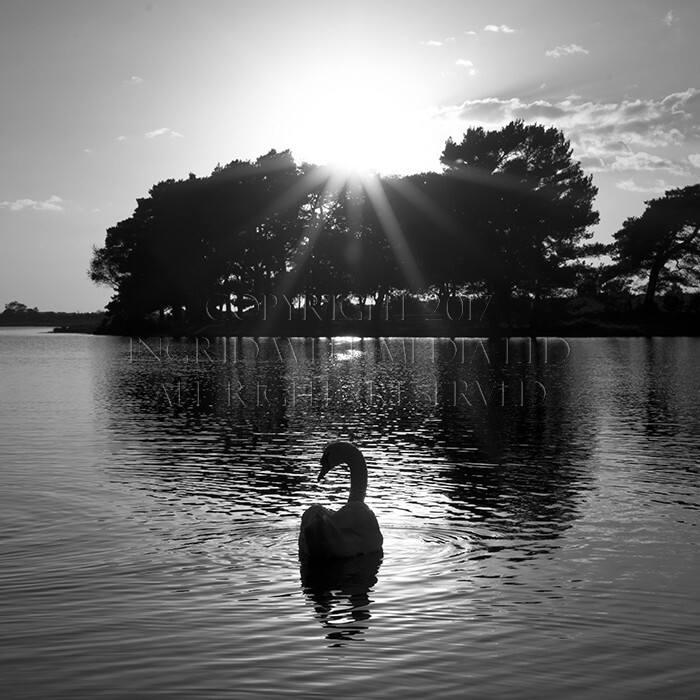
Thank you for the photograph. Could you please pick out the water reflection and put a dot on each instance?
(498, 439)
(339, 590)
(542, 538)
(465, 431)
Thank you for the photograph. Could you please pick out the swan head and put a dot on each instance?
(326, 466)
(336, 453)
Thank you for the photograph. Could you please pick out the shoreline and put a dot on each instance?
(427, 328)
(661, 326)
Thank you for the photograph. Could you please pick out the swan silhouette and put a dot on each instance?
(351, 530)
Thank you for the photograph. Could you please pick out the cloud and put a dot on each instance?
(470, 32)
(498, 112)
(464, 63)
(565, 50)
(694, 159)
(606, 136)
(630, 185)
(53, 203)
(436, 43)
(670, 19)
(121, 138)
(133, 80)
(163, 131)
(645, 161)
(504, 28)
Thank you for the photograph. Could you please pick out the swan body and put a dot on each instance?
(351, 530)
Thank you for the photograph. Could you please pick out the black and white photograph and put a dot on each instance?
(349, 349)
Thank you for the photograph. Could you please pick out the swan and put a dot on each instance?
(351, 530)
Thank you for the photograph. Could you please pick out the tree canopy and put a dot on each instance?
(510, 215)
(231, 232)
(524, 203)
(663, 243)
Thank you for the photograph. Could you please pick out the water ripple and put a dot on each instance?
(150, 548)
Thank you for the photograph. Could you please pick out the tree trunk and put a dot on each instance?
(536, 309)
(502, 297)
(652, 284)
(379, 297)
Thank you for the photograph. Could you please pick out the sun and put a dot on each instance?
(350, 131)
(355, 156)
(356, 120)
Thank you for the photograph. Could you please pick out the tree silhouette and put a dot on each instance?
(667, 232)
(192, 240)
(16, 307)
(525, 202)
(431, 211)
(509, 215)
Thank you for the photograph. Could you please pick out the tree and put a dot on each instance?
(667, 232)
(15, 307)
(525, 205)
(194, 240)
(509, 213)
(424, 206)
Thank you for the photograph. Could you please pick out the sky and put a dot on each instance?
(101, 99)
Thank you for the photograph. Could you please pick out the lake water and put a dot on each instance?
(539, 502)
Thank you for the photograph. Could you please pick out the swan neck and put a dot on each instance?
(358, 477)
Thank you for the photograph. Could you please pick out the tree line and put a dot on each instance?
(509, 217)
(18, 314)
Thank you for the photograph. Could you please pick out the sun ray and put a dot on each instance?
(327, 183)
(394, 234)
(439, 215)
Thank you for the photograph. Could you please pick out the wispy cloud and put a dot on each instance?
(437, 42)
(503, 28)
(694, 159)
(606, 136)
(641, 160)
(565, 50)
(658, 187)
(670, 19)
(133, 80)
(53, 203)
(469, 65)
(163, 131)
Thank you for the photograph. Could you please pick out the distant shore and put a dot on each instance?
(633, 325)
(60, 321)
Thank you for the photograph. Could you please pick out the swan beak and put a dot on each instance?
(325, 467)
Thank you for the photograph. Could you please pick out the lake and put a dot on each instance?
(540, 504)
